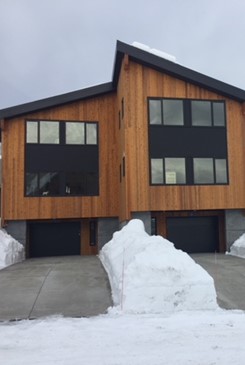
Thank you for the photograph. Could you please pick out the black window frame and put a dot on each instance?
(66, 147)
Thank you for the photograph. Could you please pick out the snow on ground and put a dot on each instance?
(204, 337)
(186, 338)
(238, 247)
(11, 251)
(148, 275)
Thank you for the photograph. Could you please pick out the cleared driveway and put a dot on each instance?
(228, 273)
(75, 286)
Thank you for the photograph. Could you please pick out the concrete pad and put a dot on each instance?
(74, 286)
(228, 273)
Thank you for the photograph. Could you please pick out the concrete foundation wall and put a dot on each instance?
(106, 228)
(234, 225)
(17, 229)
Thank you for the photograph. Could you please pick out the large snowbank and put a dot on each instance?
(11, 251)
(238, 247)
(148, 275)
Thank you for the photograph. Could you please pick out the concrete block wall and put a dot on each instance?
(17, 229)
(106, 228)
(234, 225)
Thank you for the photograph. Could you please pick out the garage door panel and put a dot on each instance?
(54, 239)
(194, 234)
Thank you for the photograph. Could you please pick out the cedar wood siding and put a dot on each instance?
(16, 206)
(144, 82)
(134, 193)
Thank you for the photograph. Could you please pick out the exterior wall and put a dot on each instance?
(106, 228)
(17, 229)
(234, 225)
(16, 206)
(145, 217)
(142, 83)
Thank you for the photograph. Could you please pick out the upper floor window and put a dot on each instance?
(178, 112)
(56, 132)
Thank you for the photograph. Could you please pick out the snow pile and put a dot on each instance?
(154, 51)
(11, 251)
(148, 275)
(238, 247)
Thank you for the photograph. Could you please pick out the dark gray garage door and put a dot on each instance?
(194, 234)
(54, 239)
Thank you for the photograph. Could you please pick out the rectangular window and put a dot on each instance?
(173, 112)
(156, 171)
(31, 184)
(32, 132)
(203, 171)
(218, 114)
(92, 233)
(48, 184)
(49, 132)
(91, 133)
(201, 113)
(155, 111)
(221, 171)
(75, 133)
(180, 112)
(175, 171)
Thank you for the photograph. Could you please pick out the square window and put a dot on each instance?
(156, 171)
(201, 113)
(155, 112)
(220, 171)
(175, 171)
(74, 133)
(173, 112)
(203, 171)
(32, 132)
(219, 114)
(49, 132)
(91, 133)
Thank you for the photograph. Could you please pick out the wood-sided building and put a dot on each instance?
(160, 142)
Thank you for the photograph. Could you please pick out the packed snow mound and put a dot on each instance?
(11, 251)
(148, 275)
(238, 247)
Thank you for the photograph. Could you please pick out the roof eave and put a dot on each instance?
(173, 69)
(58, 100)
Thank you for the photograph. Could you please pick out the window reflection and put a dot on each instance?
(74, 133)
(175, 171)
(49, 132)
(156, 171)
(221, 171)
(155, 112)
(203, 171)
(91, 130)
(32, 132)
(173, 112)
(201, 113)
(219, 114)
(49, 184)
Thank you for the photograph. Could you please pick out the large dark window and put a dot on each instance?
(61, 158)
(187, 142)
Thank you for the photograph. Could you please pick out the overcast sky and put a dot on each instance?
(50, 47)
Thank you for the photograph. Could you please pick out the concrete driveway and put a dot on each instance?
(228, 273)
(74, 286)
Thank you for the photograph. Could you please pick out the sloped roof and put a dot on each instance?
(137, 55)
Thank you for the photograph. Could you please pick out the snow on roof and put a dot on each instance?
(154, 51)
(149, 275)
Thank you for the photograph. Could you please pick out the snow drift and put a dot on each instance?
(11, 251)
(148, 275)
(238, 247)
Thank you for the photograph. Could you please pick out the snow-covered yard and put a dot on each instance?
(164, 313)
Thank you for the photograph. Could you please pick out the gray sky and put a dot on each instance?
(51, 47)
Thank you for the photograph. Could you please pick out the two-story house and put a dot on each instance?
(160, 142)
